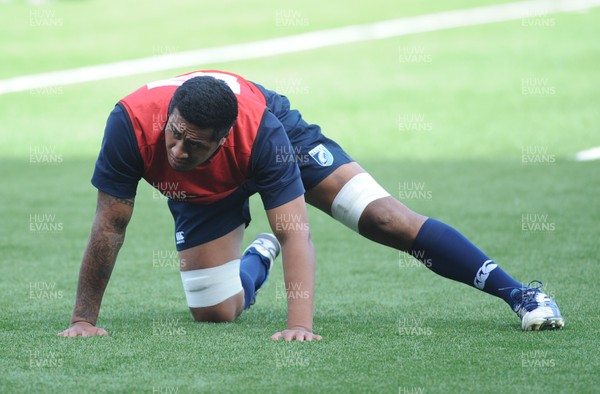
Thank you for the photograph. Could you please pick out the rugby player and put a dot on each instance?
(208, 140)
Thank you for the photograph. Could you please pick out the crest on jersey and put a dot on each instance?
(321, 155)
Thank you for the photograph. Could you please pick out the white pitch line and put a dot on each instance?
(588, 154)
(299, 42)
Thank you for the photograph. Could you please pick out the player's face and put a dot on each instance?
(188, 146)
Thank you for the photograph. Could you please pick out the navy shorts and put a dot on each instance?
(317, 157)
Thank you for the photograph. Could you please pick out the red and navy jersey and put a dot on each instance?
(134, 148)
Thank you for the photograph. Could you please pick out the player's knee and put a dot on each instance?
(225, 312)
(390, 214)
(214, 294)
(381, 215)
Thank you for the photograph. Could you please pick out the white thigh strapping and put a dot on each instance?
(354, 197)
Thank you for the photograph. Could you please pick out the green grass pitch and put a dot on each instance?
(474, 126)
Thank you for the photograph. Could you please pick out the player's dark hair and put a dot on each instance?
(206, 102)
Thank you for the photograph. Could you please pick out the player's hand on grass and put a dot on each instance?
(296, 333)
(83, 329)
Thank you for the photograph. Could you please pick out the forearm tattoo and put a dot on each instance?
(106, 238)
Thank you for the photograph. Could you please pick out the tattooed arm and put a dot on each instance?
(106, 238)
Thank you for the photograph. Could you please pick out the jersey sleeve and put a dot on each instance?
(119, 166)
(276, 175)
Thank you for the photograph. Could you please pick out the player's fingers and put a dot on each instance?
(315, 337)
(301, 336)
(293, 335)
(101, 331)
(288, 336)
(71, 333)
(276, 336)
(309, 337)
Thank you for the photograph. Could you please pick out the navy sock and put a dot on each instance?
(448, 253)
(252, 273)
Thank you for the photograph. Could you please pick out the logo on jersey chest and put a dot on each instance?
(321, 155)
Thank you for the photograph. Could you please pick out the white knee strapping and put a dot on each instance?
(211, 286)
(354, 197)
